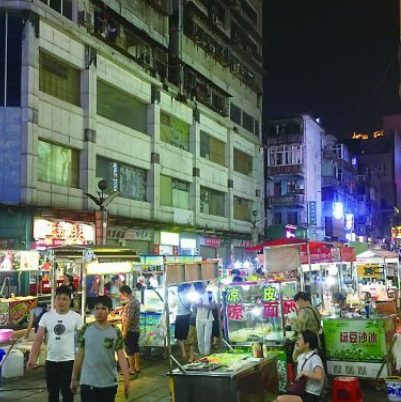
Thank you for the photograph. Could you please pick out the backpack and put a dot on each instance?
(38, 318)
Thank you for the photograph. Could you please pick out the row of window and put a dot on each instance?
(282, 155)
(60, 165)
(243, 119)
(62, 81)
(287, 187)
(288, 218)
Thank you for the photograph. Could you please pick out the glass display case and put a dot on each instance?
(258, 311)
(153, 329)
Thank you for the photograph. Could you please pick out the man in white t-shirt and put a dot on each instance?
(60, 326)
(204, 319)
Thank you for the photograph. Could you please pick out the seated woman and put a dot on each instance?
(309, 365)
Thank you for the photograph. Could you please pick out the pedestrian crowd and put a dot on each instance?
(84, 355)
(92, 366)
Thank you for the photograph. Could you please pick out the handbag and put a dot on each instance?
(298, 387)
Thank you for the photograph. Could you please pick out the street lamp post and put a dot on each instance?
(101, 216)
(255, 229)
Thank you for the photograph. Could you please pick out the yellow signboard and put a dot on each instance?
(369, 271)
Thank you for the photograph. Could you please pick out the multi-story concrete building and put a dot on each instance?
(380, 155)
(294, 177)
(339, 190)
(162, 99)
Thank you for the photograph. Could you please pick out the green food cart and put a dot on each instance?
(358, 346)
(257, 312)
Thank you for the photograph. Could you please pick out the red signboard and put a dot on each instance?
(347, 254)
(212, 242)
(323, 255)
(156, 249)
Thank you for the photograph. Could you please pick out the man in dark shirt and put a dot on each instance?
(130, 329)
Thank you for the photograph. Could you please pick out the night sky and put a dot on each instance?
(334, 58)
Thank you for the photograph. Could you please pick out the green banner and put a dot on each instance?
(357, 340)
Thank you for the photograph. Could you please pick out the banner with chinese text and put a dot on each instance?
(357, 340)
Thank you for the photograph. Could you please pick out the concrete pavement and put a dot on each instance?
(150, 386)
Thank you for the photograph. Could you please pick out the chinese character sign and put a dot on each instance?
(355, 340)
(236, 312)
(233, 294)
(288, 306)
(270, 294)
(270, 309)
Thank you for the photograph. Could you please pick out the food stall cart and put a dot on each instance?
(358, 346)
(225, 377)
(378, 276)
(15, 308)
(94, 261)
(152, 321)
(324, 268)
(257, 312)
(219, 377)
(152, 266)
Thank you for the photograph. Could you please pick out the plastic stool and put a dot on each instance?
(346, 389)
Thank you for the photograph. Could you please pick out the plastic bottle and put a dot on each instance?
(265, 351)
(337, 310)
(367, 308)
(259, 353)
(254, 349)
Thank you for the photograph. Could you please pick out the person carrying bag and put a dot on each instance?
(310, 373)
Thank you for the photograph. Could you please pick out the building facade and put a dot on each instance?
(339, 190)
(294, 177)
(162, 99)
(379, 156)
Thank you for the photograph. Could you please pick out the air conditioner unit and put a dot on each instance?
(85, 18)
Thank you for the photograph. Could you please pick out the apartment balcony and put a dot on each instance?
(288, 199)
(286, 170)
(330, 181)
(282, 139)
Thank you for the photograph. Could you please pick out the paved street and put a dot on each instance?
(151, 386)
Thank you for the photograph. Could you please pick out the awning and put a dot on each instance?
(378, 257)
(319, 251)
(293, 241)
